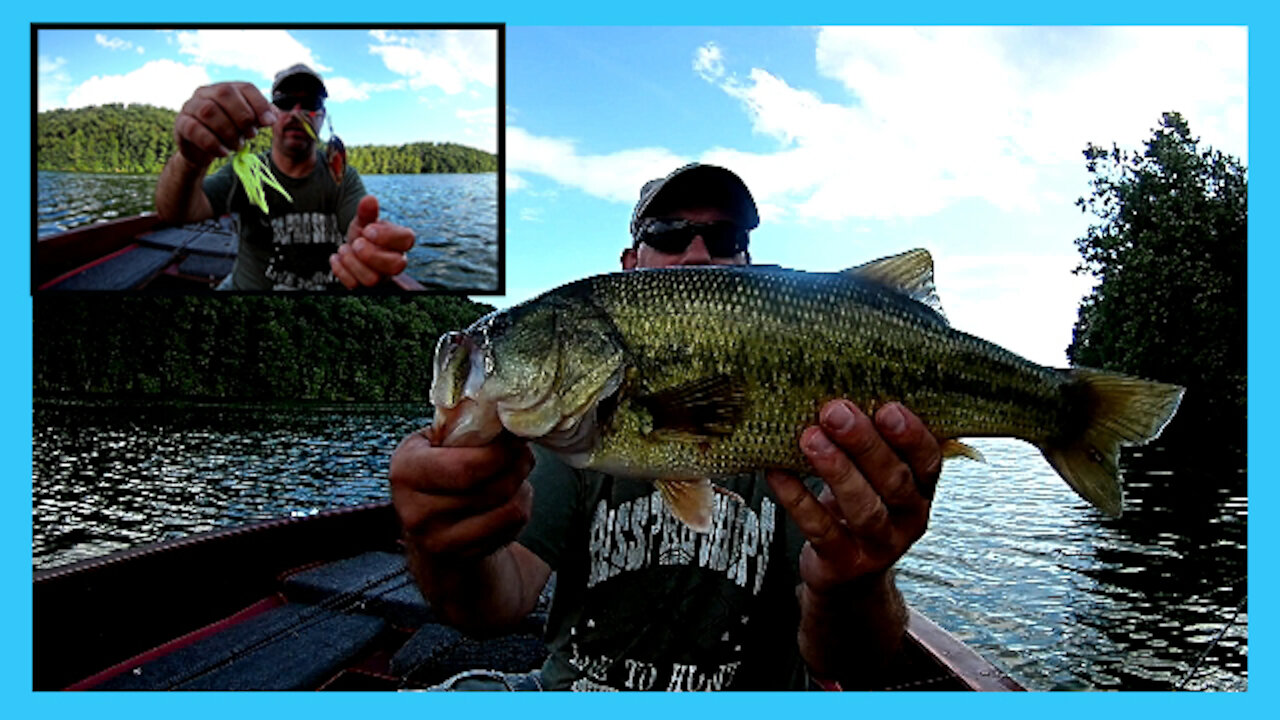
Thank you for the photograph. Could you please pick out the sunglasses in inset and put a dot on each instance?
(310, 103)
(724, 239)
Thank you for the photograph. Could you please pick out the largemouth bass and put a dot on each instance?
(679, 375)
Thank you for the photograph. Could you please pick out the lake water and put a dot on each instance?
(455, 217)
(1013, 563)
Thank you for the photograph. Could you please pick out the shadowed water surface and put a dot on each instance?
(1014, 563)
(1063, 597)
(107, 478)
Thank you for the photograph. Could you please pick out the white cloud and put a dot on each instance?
(262, 52)
(163, 83)
(614, 176)
(1025, 303)
(46, 65)
(938, 116)
(452, 60)
(52, 82)
(944, 114)
(342, 89)
(482, 125)
(708, 62)
(113, 43)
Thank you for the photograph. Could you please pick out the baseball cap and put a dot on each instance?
(298, 71)
(697, 185)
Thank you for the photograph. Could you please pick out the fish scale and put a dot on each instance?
(683, 374)
(820, 332)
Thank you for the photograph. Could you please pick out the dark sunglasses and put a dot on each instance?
(310, 103)
(724, 239)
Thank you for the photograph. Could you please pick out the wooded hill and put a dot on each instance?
(242, 347)
(138, 139)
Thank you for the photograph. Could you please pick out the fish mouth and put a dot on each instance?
(460, 418)
(467, 424)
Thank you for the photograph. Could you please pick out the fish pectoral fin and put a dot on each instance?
(711, 406)
(952, 448)
(691, 501)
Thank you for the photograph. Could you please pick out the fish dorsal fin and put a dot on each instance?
(691, 501)
(910, 273)
(710, 406)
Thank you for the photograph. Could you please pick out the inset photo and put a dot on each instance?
(262, 159)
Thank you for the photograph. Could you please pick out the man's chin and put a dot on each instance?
(295, 146)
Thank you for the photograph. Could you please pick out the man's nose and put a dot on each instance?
(696, 253)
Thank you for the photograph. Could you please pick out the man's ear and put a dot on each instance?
(629, 259)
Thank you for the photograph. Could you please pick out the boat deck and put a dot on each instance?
(144, 254)
(322, 602)
(139, 255)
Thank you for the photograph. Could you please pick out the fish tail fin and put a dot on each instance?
(1116, 410)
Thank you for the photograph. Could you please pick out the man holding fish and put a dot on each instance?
(316, 226)
(764, 580)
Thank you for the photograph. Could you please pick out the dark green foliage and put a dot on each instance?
(139, 139)
(1170, 256)
(263, 347)
(107, 138)
(420, 158)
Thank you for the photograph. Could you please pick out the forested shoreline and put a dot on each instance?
(138, 139)
(1169, 248)
(242, 347)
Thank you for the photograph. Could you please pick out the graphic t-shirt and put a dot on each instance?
(289, 248)
(642, 602)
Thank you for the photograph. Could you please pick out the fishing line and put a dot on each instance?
(1205, 654)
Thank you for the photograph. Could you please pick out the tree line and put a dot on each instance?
(138, 139)
(1169, 251)
(365, 348)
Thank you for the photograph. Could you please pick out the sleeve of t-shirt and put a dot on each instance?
(557, 503)
(352, 191)
(217, 187)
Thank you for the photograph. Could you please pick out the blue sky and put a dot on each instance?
(857, 142)
(386, 87)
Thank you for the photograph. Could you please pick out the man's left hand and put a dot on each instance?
(374, 250)
(880, 476)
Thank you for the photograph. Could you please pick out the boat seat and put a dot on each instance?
(126, 270)
(290, 647)
(215, 243)
(378, 583)
(209, 237)
(205, 266)
(437, 652)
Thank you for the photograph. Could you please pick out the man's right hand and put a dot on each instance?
(461, 503)
(217, 119)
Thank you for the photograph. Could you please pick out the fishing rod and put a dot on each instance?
(1204, 655)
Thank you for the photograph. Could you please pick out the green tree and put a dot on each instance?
(139, 139)
(1169, 254)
